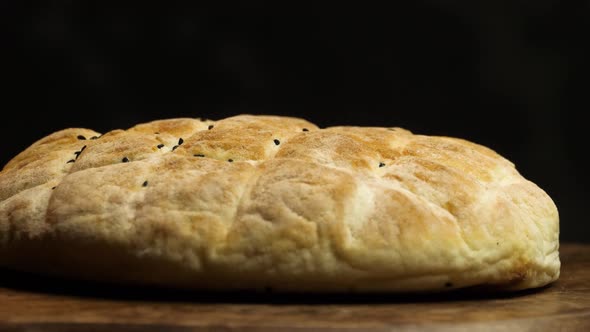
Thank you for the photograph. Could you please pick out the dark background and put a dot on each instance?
(511, 75)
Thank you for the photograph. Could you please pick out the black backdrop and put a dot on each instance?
(511, 75)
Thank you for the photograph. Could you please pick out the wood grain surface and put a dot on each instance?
(31, 303)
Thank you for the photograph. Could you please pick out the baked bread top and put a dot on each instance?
(252, 202)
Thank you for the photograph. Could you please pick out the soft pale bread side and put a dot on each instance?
(255, 202)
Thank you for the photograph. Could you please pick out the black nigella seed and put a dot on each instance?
(160, 146)
(381, 164)
(145, 184)
(157, 133)
(174, 147)
(80, 137)
(210, 127)
(180, 141)
(77, 153)
(305, 129)
(125, 160)
(53, 188)
(448, 284)
(94, 137)
(199, 155)
(70, 161)
(230, 160)
(277, 142)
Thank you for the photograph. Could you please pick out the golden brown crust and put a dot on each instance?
(263, 201)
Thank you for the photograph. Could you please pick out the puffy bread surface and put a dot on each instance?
(259, 202)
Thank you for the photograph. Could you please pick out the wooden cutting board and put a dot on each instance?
(29, 303)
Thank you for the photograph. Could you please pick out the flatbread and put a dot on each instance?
(268, 202)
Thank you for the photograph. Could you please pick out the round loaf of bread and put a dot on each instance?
(258, 202)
